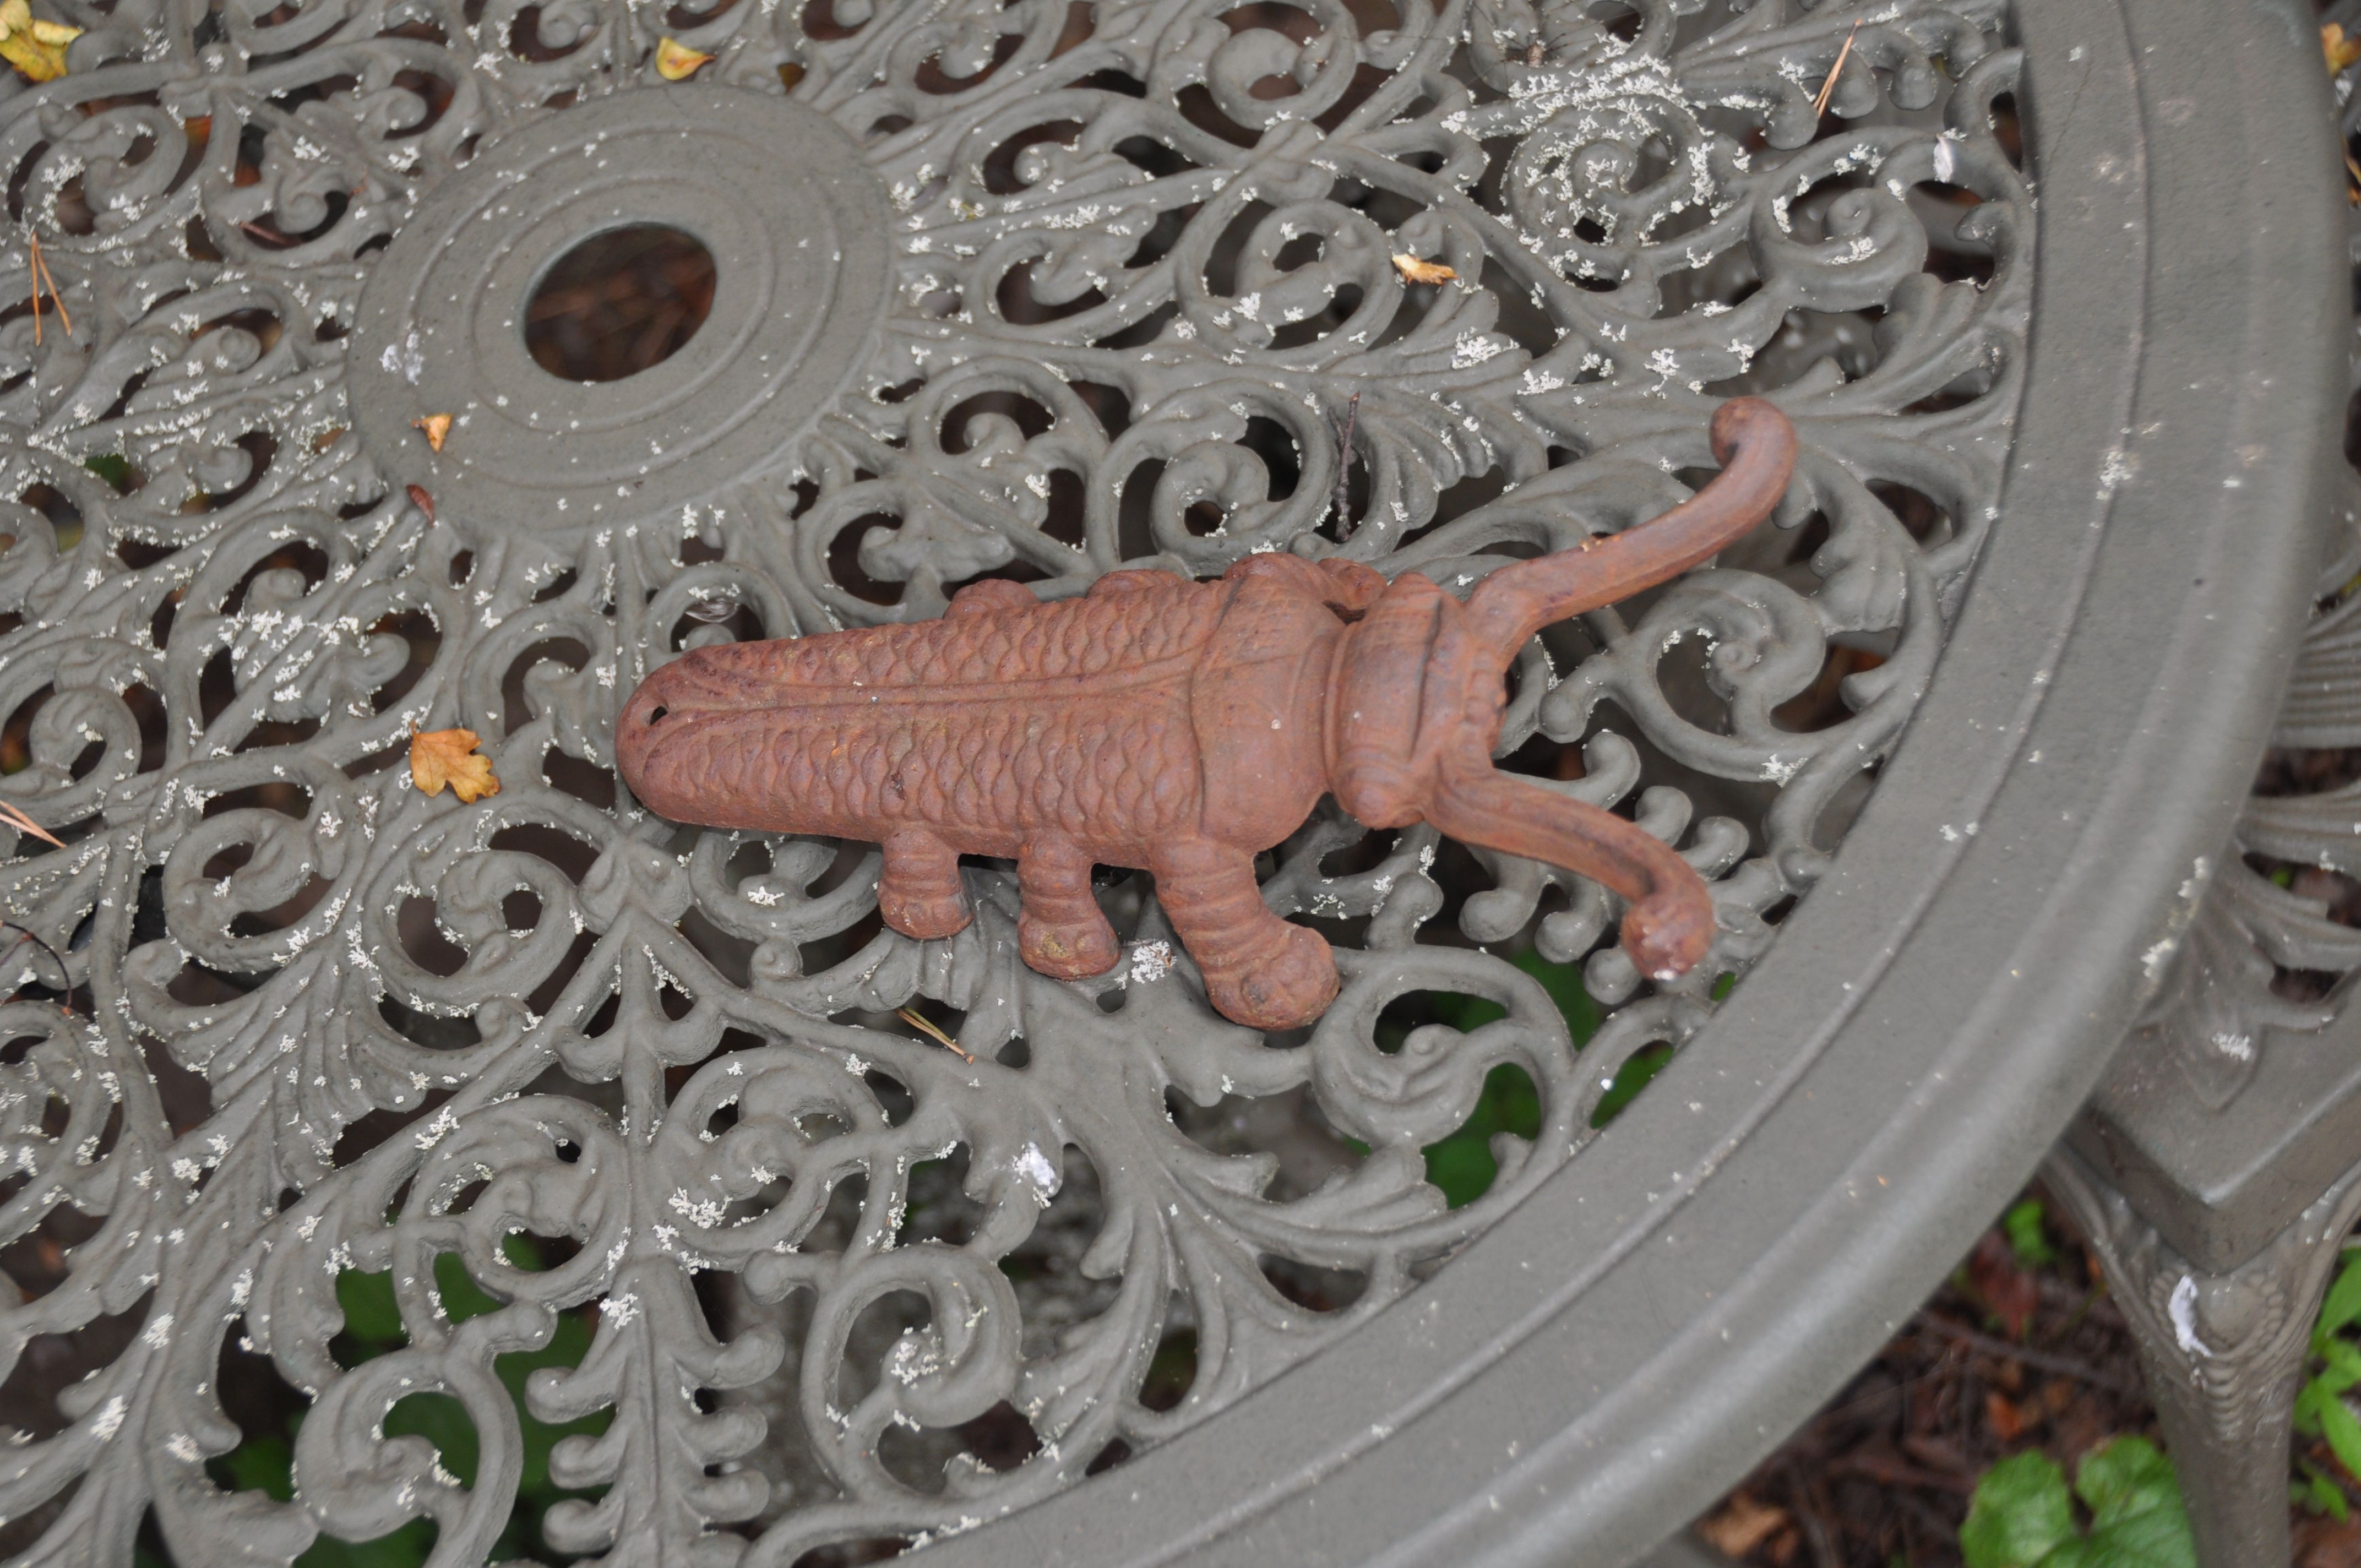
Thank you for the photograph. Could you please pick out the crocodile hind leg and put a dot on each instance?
(919, 893)
(1259, 970)
(1062, 932)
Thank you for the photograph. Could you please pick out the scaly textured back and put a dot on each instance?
(956, 723)
(1101, 638)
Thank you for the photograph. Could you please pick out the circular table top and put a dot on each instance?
(1144, 288)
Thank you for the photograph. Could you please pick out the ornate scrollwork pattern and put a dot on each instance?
(1147, 276)
(2273, 944)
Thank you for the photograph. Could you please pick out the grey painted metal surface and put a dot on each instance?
(2223, 1349)
(419, 1025)
(1685, 1335)
(2214, 1168)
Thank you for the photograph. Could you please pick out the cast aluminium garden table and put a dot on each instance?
(2055, 294)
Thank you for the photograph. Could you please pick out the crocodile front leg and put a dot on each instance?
(1259, 970)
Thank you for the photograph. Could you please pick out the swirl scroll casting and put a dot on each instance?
(1031, 289)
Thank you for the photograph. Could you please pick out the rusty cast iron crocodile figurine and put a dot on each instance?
(1183, 727)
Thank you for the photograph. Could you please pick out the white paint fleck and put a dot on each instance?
(2182, 1309)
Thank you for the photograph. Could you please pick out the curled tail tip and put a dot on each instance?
(1740, 424)
(1669, 934)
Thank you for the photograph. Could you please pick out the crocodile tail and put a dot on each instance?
(1755, 446)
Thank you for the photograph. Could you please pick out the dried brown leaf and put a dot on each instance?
(1414, 270)
(1740, 1525)
(2008, 1292)
(438, 757)
(2328, 1543)
(437, 428)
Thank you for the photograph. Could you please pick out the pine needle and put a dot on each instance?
(24, 824)
(25, 935)
(911, 1017)
(56, 297)
(1820, 103)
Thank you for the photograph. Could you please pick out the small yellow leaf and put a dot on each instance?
(439, 757)
(437, 428)
(675, 61)
(1414, 270)
(36, 47)
(2340, 48)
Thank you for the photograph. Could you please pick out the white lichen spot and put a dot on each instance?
(1474, 348)
(1034, 1169)
(1150, 962)
(2236, 1047)
(443, 1125)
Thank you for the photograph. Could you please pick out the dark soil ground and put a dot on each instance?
(2002, 1359)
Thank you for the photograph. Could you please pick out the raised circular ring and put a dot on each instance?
(794, 222)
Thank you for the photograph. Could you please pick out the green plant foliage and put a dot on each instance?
(2318, 1493)
(372, 1328)
(1562, 981)
(112, 468)
(2023, 1517)
(1463, 1165)
(2029, 1234)
(1639, 1070)
(2321, 1410)
(2020, 1513)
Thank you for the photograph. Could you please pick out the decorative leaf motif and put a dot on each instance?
(2222, 1002)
